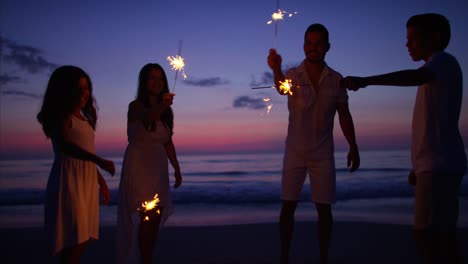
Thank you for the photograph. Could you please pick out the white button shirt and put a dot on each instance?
(311, 114)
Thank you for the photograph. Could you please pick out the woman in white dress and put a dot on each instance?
(68, 118)
(145, 170)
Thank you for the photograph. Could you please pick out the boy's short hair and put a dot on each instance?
(317, 28)
(432, 23)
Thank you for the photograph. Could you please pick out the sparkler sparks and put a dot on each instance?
(178, 64)
(270, 105)
(150, 205)
(285, 87)
(269, 108)
(279, 15)
(276, 17)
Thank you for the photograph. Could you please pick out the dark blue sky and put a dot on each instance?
(225, 44)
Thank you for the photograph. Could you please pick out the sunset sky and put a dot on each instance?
(225, 45)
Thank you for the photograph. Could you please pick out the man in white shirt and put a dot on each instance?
(314, 98)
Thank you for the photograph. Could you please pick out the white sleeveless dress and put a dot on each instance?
(145, 172)
(71, 213)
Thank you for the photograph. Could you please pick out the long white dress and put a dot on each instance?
(71, 213)
(145, 173)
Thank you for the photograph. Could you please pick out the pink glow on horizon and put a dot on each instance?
(222, 136)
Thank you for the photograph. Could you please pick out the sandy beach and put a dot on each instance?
(353, 242)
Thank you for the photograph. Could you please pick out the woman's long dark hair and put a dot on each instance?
(143, 93)
(61, 98)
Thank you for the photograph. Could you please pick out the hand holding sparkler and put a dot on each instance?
(156, 111)
(167, 100)
(274, 61)
(283, 86)
(164, 102)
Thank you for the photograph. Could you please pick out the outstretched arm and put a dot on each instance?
(398, 78)
(347, 126)
(172, 156)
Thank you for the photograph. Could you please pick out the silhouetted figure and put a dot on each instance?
(68, 118)
(437, 149)
(316, 97)
(145, 170)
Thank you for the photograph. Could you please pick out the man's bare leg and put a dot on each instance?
(286, 225)
(324, 229)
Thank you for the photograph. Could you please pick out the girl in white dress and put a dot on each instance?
(145, 171)
(68, 118)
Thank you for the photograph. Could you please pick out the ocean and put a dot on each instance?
(236, 189)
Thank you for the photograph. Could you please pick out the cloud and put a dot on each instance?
(206, 82)
(265, 79)
(26, 57)
(249, 103)
(5, 79)
(21, 94)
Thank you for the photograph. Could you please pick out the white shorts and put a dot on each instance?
(322, 176)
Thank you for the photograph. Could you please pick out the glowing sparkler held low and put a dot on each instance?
(150, 205)
(178, 64)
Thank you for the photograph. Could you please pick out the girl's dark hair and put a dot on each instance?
(143, 94)
(432, 23)
(61, 98)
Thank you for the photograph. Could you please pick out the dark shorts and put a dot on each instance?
(436, 201)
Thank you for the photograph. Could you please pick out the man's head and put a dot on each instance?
(427, 34)
(316, 43)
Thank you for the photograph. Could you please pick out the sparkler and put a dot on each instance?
(178, 64)
(276, 16)
(150, 205)
(284, 88)
(282, 83)
(262, 87)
